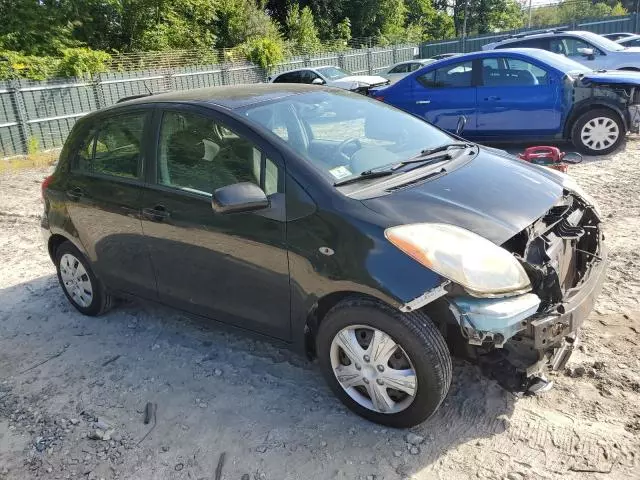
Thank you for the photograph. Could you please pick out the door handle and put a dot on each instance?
(492, 98)
(156, 214)
(423, 102)
(75, 193)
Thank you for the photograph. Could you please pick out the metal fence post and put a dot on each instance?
(20, 113)
(635, 21)
(95, 86)
(341, 60)
(167, 80)
(369, 61)
(394, 54)
(224, 73)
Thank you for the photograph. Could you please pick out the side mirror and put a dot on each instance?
(462, 122)
(239, 197)
(317, 81)
(587, 52)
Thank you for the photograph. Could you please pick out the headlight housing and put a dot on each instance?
(481, 267)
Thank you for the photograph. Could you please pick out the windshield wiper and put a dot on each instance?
(366, 175)
(431, 155)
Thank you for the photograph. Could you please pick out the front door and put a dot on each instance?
(104, 190)
(443, 95)
(518, 98)
(231, 267)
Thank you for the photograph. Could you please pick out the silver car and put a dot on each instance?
(588, 48)
(402, 69)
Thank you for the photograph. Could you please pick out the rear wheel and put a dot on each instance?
(389, 367)
(598, 132)
(80, 285)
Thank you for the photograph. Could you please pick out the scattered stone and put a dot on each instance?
(155, 346)
(576, 372)
(598, 365)
(515, 476)
(102, 425)
(217, 372)
(165, 448)
(371, 477)
(261, 448)
(74, 421)
(184, 427)
(203, 405)
(245, 477)
(397, 453)
(323, 444)
(414, 450)
(414, 439)
(178, 467)
(95, 435)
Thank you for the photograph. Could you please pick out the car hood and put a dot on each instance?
(494, 195)
(368, 79)
(609, 77)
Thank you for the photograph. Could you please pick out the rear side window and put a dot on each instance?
(291, 77)
(455, 75)
(114, 148)
(399, 68)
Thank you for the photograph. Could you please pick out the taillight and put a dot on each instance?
(45, 184)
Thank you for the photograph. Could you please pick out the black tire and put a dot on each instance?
(585, 118)
(101, 300)
(419, 338)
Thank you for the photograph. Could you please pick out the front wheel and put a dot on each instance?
(389, 367)
(598, 132)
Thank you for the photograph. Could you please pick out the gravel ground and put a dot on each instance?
(73, 389)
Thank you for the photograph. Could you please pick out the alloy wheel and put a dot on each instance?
(599, 133)
(373, 369)
(75, 280)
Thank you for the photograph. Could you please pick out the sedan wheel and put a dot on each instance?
(390, 367)
(373, 369)
(598, 132)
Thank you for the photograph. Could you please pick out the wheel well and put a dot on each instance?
(318, 312)
(582, 109)
(54, 242)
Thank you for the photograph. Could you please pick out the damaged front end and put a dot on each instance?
(518, 338)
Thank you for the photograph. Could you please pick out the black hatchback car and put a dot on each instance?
(359, 234)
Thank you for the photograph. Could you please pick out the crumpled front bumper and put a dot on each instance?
(529, 342)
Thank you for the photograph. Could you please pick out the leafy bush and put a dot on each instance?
(82, 62)
(16, 65)
(265, 52)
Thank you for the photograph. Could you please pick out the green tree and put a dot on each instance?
(238, 21)
(431, 22)
(301, 29)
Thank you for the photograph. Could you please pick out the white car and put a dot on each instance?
(402, 69)
(330, 76)
(588, 48)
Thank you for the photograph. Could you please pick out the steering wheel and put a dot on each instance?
(344, 144)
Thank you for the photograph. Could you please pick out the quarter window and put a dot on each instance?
(456, 75)
(399, 68)
(115, 149)
(198, 154)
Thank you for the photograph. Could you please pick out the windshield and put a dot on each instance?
(333, 73)
(343, 134)
(562, 63)
(602, 42)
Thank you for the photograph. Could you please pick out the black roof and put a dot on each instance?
(231, 97)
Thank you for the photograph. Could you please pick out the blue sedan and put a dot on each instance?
(522, 95)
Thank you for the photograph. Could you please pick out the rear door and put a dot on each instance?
(442, 95)
(231, 267)
(518, 97)
(104, 191)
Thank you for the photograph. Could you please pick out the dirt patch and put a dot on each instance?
(73, 390)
